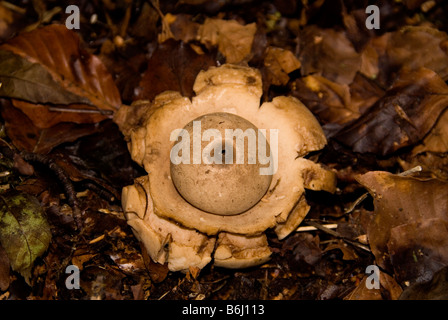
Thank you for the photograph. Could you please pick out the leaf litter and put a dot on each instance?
(379, 94)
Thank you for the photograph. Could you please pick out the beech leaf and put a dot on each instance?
(402, 117)
(24, 231)
(22, 79)
(408, 233)
(173, 66)
(57, 50)
(328, 53)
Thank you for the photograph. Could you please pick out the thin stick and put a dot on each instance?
(338, 235)
(312, 228)
(103, 112)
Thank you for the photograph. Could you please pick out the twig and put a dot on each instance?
(100, 111)
(312, 228)
(338, 235)
(411, 171)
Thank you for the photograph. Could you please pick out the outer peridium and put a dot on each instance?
(241, 240)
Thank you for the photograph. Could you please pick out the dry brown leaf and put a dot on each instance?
(333, 102)
(328, 53)
(402, 117)
(419, 249)
(409, 231)
(279, 62)
(416, 47)
(26, 136)
(173, 66)
(58, 50)
(361, 292)
(389, 289)
(437, 138)
(234, 40)
(71, 73)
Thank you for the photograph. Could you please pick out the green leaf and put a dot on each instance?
(24, 231)
(25, 80)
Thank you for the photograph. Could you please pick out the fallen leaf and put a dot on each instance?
(25, 233)
(26, 136)
(11, 20)
(173, 66)
(46, 69)
(333, 102)
(402, 117)
(437, 138)
(361, 292)
(328, 53)
(408, 232)
(419, 249)
(234, 40)
(436, 289)
(431, 153)
(389, 289)
(433, 162)
(306, 252)
(57, 50)
(101, 158)
(405, 49)
(24, 79)
(278, 63)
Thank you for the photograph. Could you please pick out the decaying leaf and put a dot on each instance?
(73, 69)
(402, 117)
(46, 68)
(173, 66)
(279, 62)
(436, 289)
(431, 153)
(328, 53)
(410, 47)
(26, 136)
(24, 79)
(333, 102)
(389, 289)
(416, 47)
(437, 138)
(234, 40)
(24, 231)
(409, 230)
